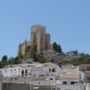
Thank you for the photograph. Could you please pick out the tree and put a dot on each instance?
(41, 58)
(1, 65)
(33, 53)
(4, 60)
(17, 60)
(57, 47)
(11, 60)
(20, 55)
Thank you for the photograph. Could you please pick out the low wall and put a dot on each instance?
(23, 86)
(88, 86)
(14, 86)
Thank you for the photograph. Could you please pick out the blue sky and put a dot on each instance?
(68, 22)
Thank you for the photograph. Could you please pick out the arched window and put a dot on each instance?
(49, 69)
(26, 71)
(22, 72)
(51, 78)
(53, 70)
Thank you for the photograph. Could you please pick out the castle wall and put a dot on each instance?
(41, 40)
(23, 47)
(33, 38)
(47, 41)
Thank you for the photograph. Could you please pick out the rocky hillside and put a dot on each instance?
(51, 56)
(59, 58)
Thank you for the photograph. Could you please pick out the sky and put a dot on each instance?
(67, 21)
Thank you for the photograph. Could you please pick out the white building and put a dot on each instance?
(10, 72)
(16, 70)
(71, 87)
(31, 70)
(47, 69)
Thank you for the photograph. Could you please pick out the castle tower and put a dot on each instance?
(41, 39)
(38, 37)
(23, 48)
(34, 30)
(47, 41)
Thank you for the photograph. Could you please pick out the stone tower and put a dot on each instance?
(40, 38)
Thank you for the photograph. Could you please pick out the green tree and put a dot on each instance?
(11, 60)
(20, 55)
(33, 53)
(17, 60)
(4, 60)
(1, 65)
(57, 47)
(41, 58)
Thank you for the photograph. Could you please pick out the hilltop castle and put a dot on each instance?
(39, 38)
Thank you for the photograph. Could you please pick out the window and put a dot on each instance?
(22, 72)
(49, 70)
(51, 78)
(53, 70)
(45, 65)
(26, 71)
(72, 82)
(64, 82)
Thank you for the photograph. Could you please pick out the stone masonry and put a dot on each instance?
(39, 38)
